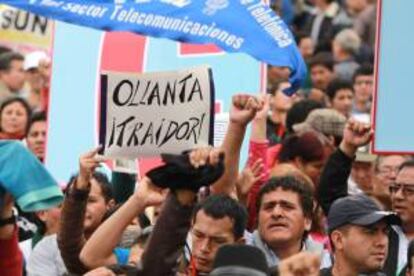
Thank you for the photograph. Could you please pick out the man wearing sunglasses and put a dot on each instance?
(333, 185)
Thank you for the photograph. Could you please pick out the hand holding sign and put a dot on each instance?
(244, 108)
(148, 193)
(88, 162)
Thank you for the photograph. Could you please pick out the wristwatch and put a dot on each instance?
(9, 220)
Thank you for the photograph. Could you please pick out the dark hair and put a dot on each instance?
(7, 58)
(103, 182)
(299, 112)
(324, 59)
(307, 146)
(293, 184)
(4, 49)
(37, 117)
(221, 206)
(406, 164)
(336, 85)
(365, 69)
(299, 35)
(23, 102)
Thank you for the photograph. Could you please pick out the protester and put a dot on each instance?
(358, 231)
(321, 70)
(14, 118)
(299, 112)
(299, 147)
(363, 80)
(37, 68)
(386, 169)
(36, 135)
(341, 94)
(285, 210)
(88, 198)
(276, 121)
(345, 48)
(361, 179)
(11, 259)
(306, 152)
(337, 171)
(11, 75)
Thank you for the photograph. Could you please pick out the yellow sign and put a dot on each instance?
(23, 31)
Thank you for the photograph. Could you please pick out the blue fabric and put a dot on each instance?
(122, 255)
(248, 26)
(22, 175)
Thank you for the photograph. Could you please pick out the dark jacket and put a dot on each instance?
(334, 184)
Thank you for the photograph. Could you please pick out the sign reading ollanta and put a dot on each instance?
(153, 113)
(263, 35)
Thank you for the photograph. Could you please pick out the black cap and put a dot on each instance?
(358, 210)
(240, 260)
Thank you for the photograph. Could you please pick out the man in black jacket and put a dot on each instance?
(358, 233)
(333, 185)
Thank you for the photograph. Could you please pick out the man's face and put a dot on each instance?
(386, 173)
(342, 102)
(14, 77)
(364, 88)
(402, 196)
(362, 173)
(365, 248)
(320, 76)
(281, 218)
(36, 139)
(208, 234)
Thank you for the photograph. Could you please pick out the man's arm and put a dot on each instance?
(334, 178)
(243, 110)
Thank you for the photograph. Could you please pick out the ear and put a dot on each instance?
(111, 204)
(298, 162)
(241, 240)
(338, 240)
(308, 224)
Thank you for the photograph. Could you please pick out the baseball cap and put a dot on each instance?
(358, 210)
(240, 260)
(32, 60)
(324, 120)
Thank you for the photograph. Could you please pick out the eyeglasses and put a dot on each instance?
(388, 170)
(406, 189)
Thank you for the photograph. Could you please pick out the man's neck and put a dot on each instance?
(342, 268)
(286, 251)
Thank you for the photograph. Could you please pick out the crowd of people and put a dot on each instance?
(310, 200)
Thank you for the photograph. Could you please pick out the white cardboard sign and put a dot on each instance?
(153, 113)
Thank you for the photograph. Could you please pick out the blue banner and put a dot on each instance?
(248, 26)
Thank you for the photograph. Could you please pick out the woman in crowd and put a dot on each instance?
(14, 118)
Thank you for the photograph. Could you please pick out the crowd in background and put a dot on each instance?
(310, 200)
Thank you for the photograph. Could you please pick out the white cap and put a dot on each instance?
(33, 59)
